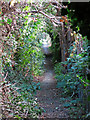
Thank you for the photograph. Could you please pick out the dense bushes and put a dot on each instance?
(22, 59)
(71, 76)
(29, 53)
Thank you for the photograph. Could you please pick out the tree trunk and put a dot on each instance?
(0, 71)
(63, 47)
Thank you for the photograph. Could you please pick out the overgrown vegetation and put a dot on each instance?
(72, 79)
(22, 59)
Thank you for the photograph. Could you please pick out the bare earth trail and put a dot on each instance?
(49, 96)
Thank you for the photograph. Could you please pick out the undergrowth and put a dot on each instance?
(22, 59)
(72, 80)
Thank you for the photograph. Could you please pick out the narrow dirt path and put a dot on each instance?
(49, 96)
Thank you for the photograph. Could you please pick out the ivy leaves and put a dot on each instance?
(72, 79)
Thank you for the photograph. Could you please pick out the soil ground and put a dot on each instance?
(48, 96)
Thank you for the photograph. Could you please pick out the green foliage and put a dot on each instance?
(55, 43)
(59, 68)
(73, 79)
(70, 87)
(22, 59)
(29, 53)
(18, 104)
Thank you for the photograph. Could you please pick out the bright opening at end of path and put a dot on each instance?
(46, 43)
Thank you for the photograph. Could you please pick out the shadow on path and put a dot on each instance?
(49, 96)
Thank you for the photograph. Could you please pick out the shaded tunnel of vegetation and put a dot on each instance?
(45, 63)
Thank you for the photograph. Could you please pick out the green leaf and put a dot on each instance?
(26, 22)
(67, 104)
(17, 116)
(61, 84)
(26, 17)
(9, 21)
(26, 8)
